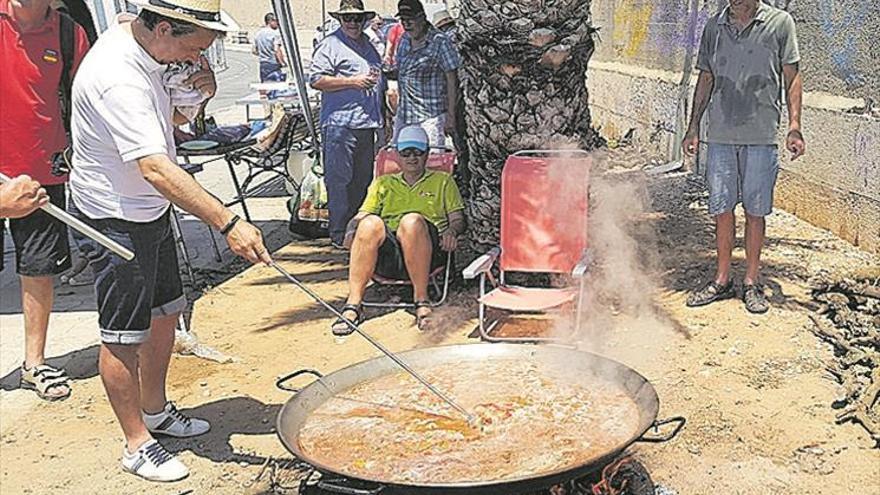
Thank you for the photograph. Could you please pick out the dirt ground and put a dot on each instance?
(753, 388)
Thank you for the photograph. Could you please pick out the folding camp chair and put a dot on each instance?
(543, 230)
(388, 162)
(268, 158)
(267, 153)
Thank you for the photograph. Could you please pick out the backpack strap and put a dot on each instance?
(66, 35)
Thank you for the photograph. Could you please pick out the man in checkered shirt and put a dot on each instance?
(427, 61)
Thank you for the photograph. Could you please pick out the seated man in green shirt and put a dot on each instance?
(406, 222)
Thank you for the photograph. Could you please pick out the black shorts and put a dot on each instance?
(41, 246)
(131, 293)
(391, 263)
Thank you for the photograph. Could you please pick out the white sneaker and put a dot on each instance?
(173, 423)
(152, 462)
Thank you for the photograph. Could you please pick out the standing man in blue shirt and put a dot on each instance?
(427, 65)
(346, 68)
(268, 47)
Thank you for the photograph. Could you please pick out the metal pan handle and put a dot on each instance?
(679, 422)
(347, 490)
(281, 383)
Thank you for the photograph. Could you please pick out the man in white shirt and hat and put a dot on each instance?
(123, 182)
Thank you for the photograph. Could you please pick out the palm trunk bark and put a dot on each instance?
(523, 76)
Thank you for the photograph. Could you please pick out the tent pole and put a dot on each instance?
(291, 46)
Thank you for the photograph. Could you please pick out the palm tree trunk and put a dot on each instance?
(523, 76)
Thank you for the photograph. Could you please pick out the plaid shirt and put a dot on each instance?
(422, 76)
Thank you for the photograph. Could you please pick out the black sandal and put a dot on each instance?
(422, 321)
(709, 293)
(755, 299)
(342, 329)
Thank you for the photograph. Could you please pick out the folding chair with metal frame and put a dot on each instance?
(261, 157)
(388, 162)
(544, 202)
(270, 160)
(266, 155)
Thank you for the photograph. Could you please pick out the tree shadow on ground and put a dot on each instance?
(375, 292)
(326, 256)
(315, 312)
(80, 364)
(232, 416)
(313, 277)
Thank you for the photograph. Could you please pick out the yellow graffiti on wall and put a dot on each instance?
(631, 19)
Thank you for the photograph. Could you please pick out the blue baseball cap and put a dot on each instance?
(412, 137)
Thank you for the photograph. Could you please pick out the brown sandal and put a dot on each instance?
(45, 380)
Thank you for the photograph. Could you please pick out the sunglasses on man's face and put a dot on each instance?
(410, 21)
(352, 18)
(410, 152)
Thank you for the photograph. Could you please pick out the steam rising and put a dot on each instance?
(623, 280)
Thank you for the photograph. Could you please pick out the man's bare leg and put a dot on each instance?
(755, 230)
(416, 244)
(154, 357)
(37, 296)
(118, 365)
(364, 253)
(725, 235)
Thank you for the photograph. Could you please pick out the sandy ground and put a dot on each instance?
(753, 388)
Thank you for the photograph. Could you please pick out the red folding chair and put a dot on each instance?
(544, 196)
(388, 162)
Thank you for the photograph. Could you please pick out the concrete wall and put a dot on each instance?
(641, 78)
(835, 38)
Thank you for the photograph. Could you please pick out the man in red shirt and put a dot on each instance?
(31, 131)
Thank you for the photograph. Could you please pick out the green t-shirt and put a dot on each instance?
(434, 196)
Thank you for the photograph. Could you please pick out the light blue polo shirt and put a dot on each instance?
(338, 55)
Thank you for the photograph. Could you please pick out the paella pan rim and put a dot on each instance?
(645, 397)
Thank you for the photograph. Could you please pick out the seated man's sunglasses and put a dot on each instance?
(353, 17)
(411, 152)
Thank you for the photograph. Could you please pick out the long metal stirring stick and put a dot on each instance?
(82, 227)
(470, 417)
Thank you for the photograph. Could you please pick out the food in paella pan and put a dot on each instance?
(393, 429)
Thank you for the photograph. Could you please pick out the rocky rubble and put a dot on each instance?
(849, 319)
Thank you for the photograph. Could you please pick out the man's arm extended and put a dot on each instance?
(20, 197)
(794, 91)
(181, 189)
(702, 93)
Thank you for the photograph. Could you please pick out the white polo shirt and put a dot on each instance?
(121, 113)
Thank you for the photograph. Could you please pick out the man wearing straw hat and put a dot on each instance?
(346, 69)
(123, 181)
